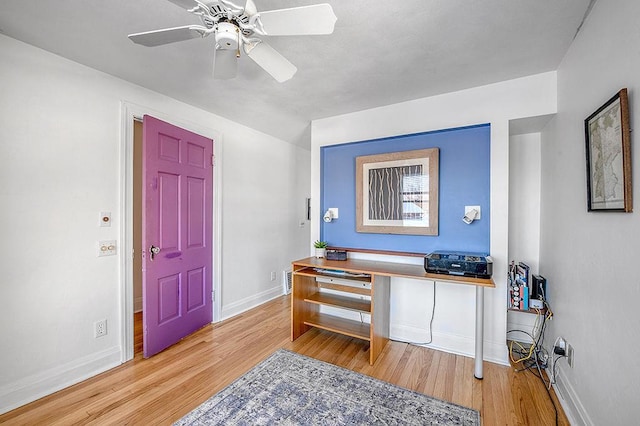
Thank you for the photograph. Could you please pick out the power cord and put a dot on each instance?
(554, 364)
(433, 311)
(548, 389)
(536, 357)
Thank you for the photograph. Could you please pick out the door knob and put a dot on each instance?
(153, 250)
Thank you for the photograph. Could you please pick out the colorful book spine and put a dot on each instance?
(525, 298)
(522, 280)
(514, 289)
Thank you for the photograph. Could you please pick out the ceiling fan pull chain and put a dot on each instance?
(239, 41)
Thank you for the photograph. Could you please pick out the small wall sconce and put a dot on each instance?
(330, 214)
(471, 213)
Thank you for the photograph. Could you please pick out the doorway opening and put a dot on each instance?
(131, 323)
(137, 238)
(172, 203)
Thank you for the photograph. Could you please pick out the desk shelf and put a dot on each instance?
(348, 303)
(542, 311)
(312, 272)
(335, 324)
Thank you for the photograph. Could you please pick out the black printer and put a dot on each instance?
(477, 265)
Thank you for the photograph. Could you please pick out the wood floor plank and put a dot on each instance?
(430, 385)
(462, 392)
(445, 377)
(162, 389)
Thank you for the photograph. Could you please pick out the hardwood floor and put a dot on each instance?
(167, 386)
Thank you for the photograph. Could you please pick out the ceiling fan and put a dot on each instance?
(235, 28)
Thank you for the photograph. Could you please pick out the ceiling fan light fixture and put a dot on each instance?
(227, 36)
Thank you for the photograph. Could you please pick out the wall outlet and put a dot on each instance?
(100, 328)
(273, 275)
(569, 352)
(560, 347)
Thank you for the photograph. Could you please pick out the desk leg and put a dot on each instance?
(479, 331)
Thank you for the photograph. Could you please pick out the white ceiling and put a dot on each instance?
(381, 52)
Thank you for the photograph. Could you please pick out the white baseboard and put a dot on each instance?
(452, 343)
(245, 304)
(137, 304)
(570, 401)
(28, 389)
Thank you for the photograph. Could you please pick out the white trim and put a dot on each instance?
(126, 231)
(571, 404)
(449, 342)
(129, 112)
(36, 386)
(217, 228)
(251, 302)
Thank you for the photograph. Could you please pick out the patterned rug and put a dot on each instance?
(292, 389)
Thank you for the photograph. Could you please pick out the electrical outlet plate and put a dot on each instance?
(569, 351)
(100, 328)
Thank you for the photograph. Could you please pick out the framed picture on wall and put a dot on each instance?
(608, 151)
(397, 193)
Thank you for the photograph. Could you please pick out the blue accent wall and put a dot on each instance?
(464, 180)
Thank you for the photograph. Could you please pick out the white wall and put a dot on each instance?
(496, 104)
(61, 166)
(524, 217)
(524, 199)
(264, 205)
(590, 259)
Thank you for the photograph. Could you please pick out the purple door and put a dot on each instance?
(177, 234)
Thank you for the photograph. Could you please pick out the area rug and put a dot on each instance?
(291, 389)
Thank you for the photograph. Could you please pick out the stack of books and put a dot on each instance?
(519, 284)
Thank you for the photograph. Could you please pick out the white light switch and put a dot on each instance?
(106, 248)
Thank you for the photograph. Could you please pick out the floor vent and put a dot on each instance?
(286, 281)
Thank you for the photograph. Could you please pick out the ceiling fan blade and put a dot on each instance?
(305, 20)
(271, 61)
(187, 4)
(225, 64)
(250, 8)
(168, 35)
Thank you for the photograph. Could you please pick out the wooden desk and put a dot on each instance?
(306, 299)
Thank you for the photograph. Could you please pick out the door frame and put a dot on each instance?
(129, 113)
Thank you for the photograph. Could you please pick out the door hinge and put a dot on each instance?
(213, 160)
(213, 296)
